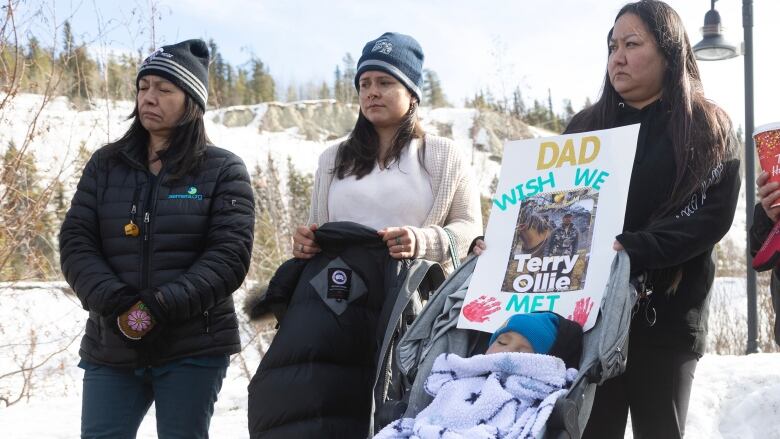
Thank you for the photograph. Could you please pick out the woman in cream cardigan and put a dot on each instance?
(414, 188)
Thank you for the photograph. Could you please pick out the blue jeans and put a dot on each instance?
(116, 400)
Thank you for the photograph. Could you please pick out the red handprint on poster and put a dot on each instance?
(581, 311)
(479, 309)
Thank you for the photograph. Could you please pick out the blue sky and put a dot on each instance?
(538, 45)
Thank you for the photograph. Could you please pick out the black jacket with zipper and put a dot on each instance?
(679, 244)
(194, 247)
(339, 314)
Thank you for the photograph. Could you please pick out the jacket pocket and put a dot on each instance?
(206, 322)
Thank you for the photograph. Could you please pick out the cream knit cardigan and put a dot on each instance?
(456, 203)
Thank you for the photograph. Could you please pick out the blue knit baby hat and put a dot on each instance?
(540, 328)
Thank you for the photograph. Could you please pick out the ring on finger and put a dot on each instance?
(397, 240)
(300, 248)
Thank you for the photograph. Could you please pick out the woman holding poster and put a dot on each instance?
(681, 201)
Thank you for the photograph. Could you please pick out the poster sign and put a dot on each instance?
(559, 204)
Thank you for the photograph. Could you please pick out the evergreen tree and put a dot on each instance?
(348, 80)
(78, 75)
(483, 99)
(26, 225)
(338, 85)
(68, 41)
(568, 111)
(67, 63)
(261, 84)
(552, 120)
(538, 115)
(241, 89)
(518, 104)
(79, 70)
(120, 74)
(230, 86)
(433, 94)
(39, 66)
(85, 75)
(324, 91)
(218, 88)
(292, 94)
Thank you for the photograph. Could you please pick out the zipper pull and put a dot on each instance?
(130, 228)
(206, 318)
(146, 227)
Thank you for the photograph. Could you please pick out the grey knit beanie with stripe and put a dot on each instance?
(185, 64)
(397, 54)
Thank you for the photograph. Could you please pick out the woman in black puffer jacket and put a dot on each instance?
(158, 236)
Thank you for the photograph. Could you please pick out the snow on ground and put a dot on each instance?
(734, 397)
(54, 320)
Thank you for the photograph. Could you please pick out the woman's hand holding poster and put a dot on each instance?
(559, 204)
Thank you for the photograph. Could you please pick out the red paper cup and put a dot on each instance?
(767, 138)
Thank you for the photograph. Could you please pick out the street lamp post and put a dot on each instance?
(713, 47)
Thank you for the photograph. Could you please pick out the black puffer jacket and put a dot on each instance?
(338, 314)
(194, 247)
(678, 244)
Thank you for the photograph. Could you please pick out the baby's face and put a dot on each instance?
(510, 341)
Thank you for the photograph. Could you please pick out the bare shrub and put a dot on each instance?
(33, 353)
(281, 204)
(728, 330)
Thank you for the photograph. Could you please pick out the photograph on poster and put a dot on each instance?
(552, 241)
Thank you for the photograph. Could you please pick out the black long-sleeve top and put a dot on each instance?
(679, 244)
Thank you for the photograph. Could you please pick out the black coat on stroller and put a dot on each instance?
(339, 315)
(434, 331)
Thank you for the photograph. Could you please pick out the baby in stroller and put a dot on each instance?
(508, 392)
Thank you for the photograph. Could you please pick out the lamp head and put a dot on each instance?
(713, 47)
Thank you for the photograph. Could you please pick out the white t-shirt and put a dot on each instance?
(400, 195)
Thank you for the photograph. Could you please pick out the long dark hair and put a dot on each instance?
(700, 131)
(358, 154)
(186, 145)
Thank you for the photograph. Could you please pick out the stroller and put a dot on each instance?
(434, 332)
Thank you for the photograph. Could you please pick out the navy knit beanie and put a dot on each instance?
(185, 64)
(540, 328)
(397, 54)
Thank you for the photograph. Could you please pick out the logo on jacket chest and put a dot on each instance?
(191, 193)
(338, 285)
(339, 281)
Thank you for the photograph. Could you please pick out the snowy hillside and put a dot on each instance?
(300, 130)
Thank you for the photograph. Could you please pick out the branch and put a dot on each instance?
(27, 371)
